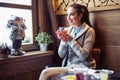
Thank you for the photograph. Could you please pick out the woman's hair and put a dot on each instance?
(81, 9)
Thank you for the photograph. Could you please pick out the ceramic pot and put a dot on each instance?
(43, 47)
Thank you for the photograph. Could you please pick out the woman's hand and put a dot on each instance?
(64, 35)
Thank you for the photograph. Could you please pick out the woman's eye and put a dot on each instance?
(72, 14)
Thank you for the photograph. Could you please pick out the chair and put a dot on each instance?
(96, 55)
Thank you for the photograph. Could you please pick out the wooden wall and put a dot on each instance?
(107, 27)
(26, 67)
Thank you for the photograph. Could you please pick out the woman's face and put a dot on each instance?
(73, 18)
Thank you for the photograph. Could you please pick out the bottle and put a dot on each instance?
(79, 76)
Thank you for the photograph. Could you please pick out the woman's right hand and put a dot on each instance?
(62, 35)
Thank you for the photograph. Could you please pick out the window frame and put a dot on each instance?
(33, 7)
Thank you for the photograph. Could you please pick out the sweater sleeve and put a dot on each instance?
(83, 50)
(62, 49)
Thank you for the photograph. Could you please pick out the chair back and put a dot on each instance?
(96, 55)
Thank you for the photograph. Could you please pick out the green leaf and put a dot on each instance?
(43, 37)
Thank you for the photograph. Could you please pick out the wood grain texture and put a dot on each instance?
(26, 67)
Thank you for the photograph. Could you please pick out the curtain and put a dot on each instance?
(48, 22)
(47, 19)
(54, 24)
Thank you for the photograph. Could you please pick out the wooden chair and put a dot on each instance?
(96, 55)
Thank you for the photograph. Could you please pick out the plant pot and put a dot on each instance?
(43, 47)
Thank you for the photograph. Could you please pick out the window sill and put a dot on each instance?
(28, 54)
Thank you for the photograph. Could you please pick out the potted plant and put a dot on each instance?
(43, 40)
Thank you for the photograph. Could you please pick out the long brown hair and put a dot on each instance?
(81, 9)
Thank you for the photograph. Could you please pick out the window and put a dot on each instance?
(22, 8)
(22, 2)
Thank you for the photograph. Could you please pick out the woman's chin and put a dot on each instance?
(71, 24)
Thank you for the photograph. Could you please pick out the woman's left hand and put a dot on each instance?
(63, 35)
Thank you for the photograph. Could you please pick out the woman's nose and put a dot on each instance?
(68, 17)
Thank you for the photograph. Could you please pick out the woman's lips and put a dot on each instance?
(69, 21)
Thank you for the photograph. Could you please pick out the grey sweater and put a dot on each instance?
(81, 47)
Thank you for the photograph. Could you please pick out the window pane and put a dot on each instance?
(5, 15)
(22, 2)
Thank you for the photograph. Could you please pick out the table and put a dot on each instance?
(114, 76)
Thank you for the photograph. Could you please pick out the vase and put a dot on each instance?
(43, 47)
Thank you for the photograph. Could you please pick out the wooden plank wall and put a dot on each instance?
(26, 67)
(107, 27)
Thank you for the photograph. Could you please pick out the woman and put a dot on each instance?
(77, 48)
(76, 41)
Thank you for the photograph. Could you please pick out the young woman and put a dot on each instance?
(77, 42)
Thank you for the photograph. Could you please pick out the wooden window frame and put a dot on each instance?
(33, 7)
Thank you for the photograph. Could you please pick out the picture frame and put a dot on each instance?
(60, 6)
